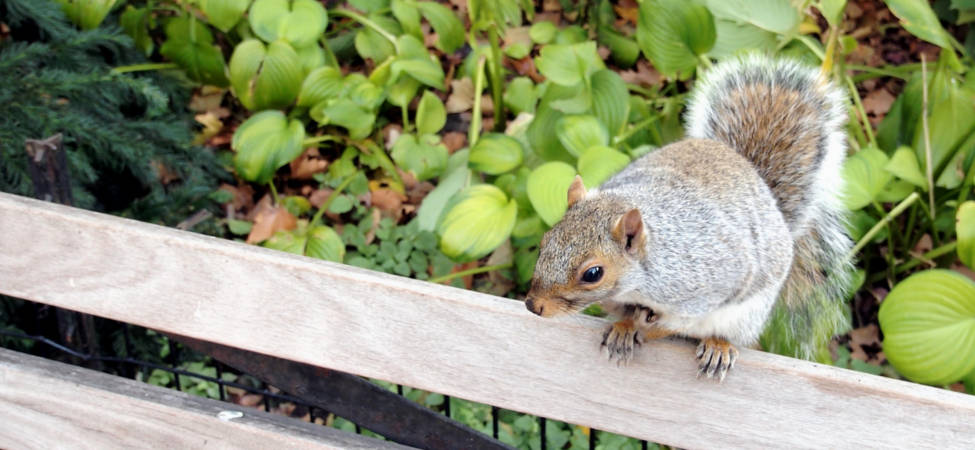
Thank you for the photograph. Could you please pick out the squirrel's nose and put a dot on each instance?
(534, 306)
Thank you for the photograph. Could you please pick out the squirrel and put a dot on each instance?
(713, 237)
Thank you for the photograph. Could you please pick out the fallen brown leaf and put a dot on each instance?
(454, 140)
(309, 163)
(643, 75)
(461, 96)
(865, 344)
(269, 221)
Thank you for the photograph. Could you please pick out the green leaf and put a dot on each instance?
(458, 176)
(223, 14)
(321, 84)
(265, 77)
(296, 205)
(928, 321)
(951, 121)
(311, 57)
(542, 135)
(525, 260)
(542, 32)
(734, 37)
(579, 133)
(776, 16)
(475, 222)
(325, 243)
(345, 113)
(264, 143)
(519, 95)
(239, 227)
(832, 10)
(402, 92)
(624, 50)
(88, 14)
(408, 16)
(300, 22)
(905, 166)
(135, 22)
(610, 100)
(568, 65)
(673, 34)
(425, 156)
(919, 19)
(495, 153)
(865, 177)
(965, 232)
(424, 70)
(372, 45)
(430, 114)
(548, 187)
(599, 163)
(449, 29)
(190, 44)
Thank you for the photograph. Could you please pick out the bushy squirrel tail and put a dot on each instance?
(787, 119)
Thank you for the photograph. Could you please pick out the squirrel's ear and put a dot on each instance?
(576, 191)
(629, 231)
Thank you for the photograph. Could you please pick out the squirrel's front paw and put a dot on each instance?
(620, 340)
(715, 355)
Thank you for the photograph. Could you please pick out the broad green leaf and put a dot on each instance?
(610, 100)
(321, 84)
(402, 92)
(624, 50)
(408, 15)
(311, 57)
(865, 177)
(953, 174)
(325, 243)
(928, 321)
(542, 32)
(370, 6)
(425, 156)
(525, 261)
(449, 29)
(895, 191)
(265, 142)
(599, 163)
(300, 22)
(568, 65)
(572, 34)
(362, 92)
(548, 187)
(495, 153)
(475, 222)
(458, 176)
(919, 19)
(776, 16)
(424, 70)
(135, 22)
(517, 50)
(734, 37)
(372, 45)
(190, 44)
(296, 205)
(951, 121)
(570, 99)
(224, 14)
(579, 133)
(965, 233)
(430, 114)
(674, 34)
(265, 77)
(519, 95)
(87, 14)
(543, 137)
(832, 10)
(905, 166)
(345, 113)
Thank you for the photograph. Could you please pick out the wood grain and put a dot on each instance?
(457, 342)
(46, 404)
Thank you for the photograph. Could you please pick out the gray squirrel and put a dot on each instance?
(705, 237)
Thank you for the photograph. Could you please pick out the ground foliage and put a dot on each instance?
(436, 139)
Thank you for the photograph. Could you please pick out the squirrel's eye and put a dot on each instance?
(592, 274)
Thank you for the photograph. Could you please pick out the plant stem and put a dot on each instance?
(367, 23)
(883, 222)
(318, 139)
(384, 161)
(862, 112)
(475, 129)
(813, 46)
(494, 66)
(634, 129)
(927, 138)
(874, 72)
(931, 254)
(331, 197)
(704, 61)
(831, 40)
(144, 67)
(474, 271)
(274, 192)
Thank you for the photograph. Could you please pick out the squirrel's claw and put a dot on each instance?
(620, 340)
(715, 356)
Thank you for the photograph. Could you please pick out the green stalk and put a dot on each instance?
(862, 112)
(313, 141)
(274, 192)
(474, 271)
(497, 80)
(883, 222)
(634, 129)
(931, 254)
(144, 67)
(331, 197)
(475, 129)
(704, 61)
(384, 161)
(367, 23)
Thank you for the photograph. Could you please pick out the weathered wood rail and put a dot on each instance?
(456, 342)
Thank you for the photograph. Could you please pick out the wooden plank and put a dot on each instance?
(47, 404)
(460, 343)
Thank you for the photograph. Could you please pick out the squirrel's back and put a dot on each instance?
(787, 119)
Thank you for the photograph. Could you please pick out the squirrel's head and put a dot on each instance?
(586, 257)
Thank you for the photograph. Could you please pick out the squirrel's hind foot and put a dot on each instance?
(620, 340)
(715, 356)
